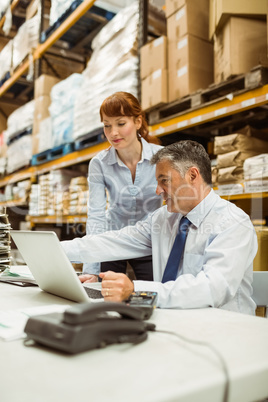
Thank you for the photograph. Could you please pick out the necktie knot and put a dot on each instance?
(184, 225)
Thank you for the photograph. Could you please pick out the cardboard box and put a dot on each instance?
(190, 61)
(238, 47)
(174, 5)
(260, 262)
(191, 19)
(221, 10)
(41, 111)
(44, 84)
(3, 122)
(153, 56)
(154, 90)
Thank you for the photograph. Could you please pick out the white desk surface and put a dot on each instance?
(163, 368)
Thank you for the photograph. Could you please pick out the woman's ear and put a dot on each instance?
(138, 122)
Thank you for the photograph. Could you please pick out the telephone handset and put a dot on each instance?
(86, 313)
(88, 326)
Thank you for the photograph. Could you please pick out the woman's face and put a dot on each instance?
(121, 131)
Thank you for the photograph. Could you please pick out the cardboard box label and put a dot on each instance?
(182, 43)
(182, 71)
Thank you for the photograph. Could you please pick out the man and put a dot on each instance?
(215, 269)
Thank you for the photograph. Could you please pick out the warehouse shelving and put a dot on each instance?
(13, 6)
(44, 47)
(189, 121)
(63, 162)
(213, 111)
(54, 219)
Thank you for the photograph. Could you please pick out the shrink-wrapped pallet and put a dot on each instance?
(27, 38)
(113, 67)
(19, 153)
(6, 60)
(20, 119)
(61, 109)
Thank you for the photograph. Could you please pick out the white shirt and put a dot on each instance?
(128, 202)
(216, 268)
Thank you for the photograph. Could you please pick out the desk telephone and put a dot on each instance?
(88, 326)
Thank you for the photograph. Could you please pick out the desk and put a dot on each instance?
(161, 369)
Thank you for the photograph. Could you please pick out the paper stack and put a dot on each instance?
(5, 257)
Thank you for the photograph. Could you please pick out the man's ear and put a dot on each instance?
(193, 173)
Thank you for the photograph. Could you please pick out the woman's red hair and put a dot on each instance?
(126, 104)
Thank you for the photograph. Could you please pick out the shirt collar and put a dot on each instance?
(198, 214)
(111, 157)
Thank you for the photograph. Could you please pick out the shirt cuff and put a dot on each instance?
(91, 268)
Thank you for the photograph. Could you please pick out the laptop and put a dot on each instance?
(51, 268)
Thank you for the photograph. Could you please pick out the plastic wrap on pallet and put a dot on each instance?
(20, 119)
(112, 5)
(4, 4)
(19, 153)
(63, 94)
(44, 136)
(58, 7)
(62, 128)
(3, 162)
(112, 67)
(26, 39)
(6, 59)
(86, 111)
(63, 97)
(125, 19)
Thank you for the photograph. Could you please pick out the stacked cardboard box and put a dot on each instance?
(42, 129)
(238, 47)
(50, 195)
(240, 36)
(153, 73)
(78, 195)
(232, 150)
(221, 10)
(190, 54)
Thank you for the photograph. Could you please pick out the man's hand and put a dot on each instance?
(116, 287)
(87, 278)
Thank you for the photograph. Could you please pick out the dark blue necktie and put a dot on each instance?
(174, 258)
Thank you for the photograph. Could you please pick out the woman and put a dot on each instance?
(123, 176)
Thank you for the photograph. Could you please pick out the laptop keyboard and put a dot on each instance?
(93, 293)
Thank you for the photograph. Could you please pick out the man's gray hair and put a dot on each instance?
(184, 154)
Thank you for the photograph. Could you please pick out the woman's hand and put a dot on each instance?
(88, 278)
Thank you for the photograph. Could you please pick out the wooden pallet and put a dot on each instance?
(256, 78)
(52, 154)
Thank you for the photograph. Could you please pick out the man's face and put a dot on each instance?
(175, 190)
